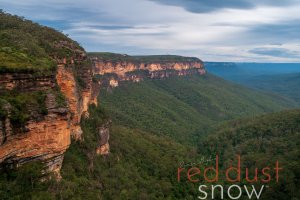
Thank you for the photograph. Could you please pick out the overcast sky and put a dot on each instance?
(213, 30)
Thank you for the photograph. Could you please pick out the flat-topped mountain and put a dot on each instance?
(115, 58)
(122, 67)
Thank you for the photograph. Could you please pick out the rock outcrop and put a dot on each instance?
(46, 136)
(43, 139)
(136, 69)
(26, 81)
(103, 134)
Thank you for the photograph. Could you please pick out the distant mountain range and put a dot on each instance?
(280, 78)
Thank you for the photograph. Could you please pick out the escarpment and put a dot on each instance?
(115, 68)
(45, 90)
(53, 103)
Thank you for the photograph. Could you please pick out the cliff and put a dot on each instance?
(114, 68)
(45, 89)
(44, 136)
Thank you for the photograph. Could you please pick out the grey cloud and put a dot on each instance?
(110, 27)
(288, 30)
(120, 27)
(144, 27)
(276, 44)
(201, 6)
(276, 52)
(275, 34)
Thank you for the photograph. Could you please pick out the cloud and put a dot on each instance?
(283, 31)
(276, 44)
(215, 30)
(276, 52)
(200, 6)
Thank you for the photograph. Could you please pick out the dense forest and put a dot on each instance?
(140, 166)
(145, 154)
(261, 141)
(184, 108)
(282, 84)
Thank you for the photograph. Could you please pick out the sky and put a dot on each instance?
(212, 30)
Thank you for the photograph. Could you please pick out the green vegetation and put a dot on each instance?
(27, 47)
(27, 105)
(165, 59)
(154, 122)
(283, 84)
(140, 166)
(184, 108)
(21, 105)
(60, 98)
(113, 57)
(23, 183)
(261, 141)
(278, 78)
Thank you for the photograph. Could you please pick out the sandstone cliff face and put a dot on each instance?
(121, 68)
(26, 81)
(138, 71)
(78, 97)
(45, 137)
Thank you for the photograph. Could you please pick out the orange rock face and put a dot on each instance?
(48, 137)
(66, 81)
(26, 82)
(78, 98)
(43, 140)
(103, 150)
(126, 71)
(121, 68)
(114, 83)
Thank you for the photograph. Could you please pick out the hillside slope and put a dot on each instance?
(143, 165)
(139, 166)
(262, 141)
(284, 84)
(279, 78)
(184, 108)
(28, 46)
